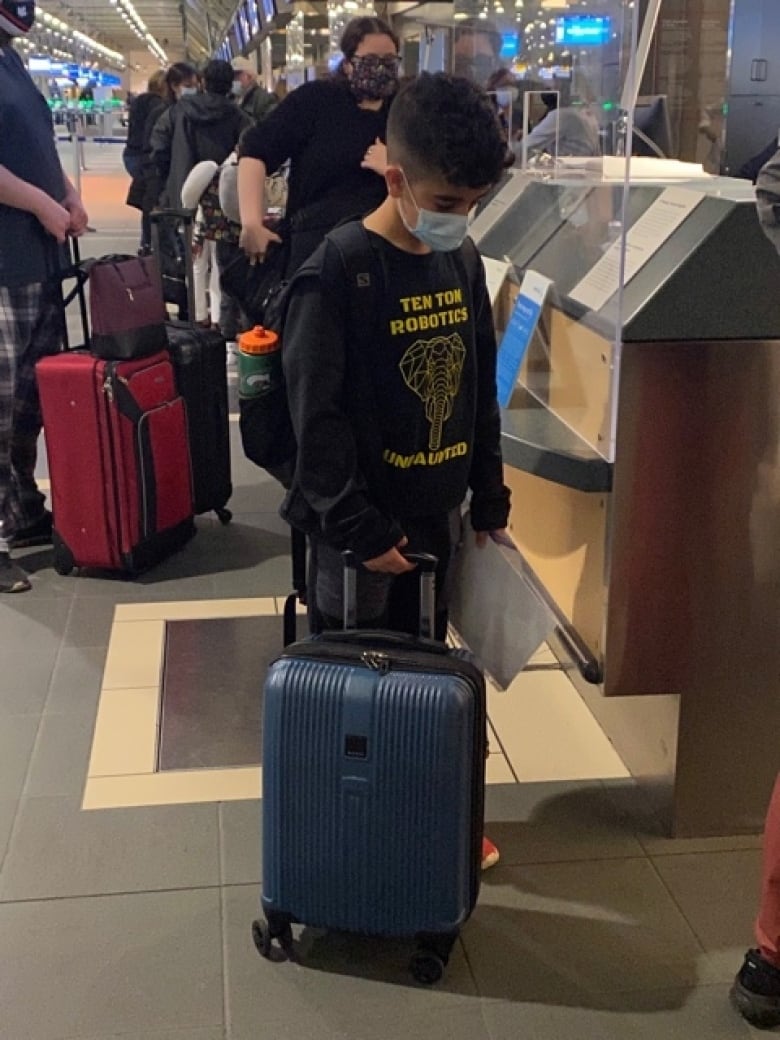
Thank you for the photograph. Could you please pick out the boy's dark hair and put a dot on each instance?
(446, 125)
(218, 77)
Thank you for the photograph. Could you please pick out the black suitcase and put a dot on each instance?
(200, 361)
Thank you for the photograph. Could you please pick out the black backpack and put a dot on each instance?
(266, 426)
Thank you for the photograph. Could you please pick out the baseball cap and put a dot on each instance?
(243, 65)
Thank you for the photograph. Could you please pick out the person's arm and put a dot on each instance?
(542, 137)
(327, 473)
(161, 142)
(262, 150)
(490, 497)
(19, 194)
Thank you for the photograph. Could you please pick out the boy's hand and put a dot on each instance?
(499, 537)
(391, 562)
(54, 217)
(255, 240)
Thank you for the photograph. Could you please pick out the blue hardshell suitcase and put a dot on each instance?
(373, 787)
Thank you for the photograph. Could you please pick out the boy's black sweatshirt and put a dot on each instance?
(397, 417)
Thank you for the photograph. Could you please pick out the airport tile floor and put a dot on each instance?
(126, 895)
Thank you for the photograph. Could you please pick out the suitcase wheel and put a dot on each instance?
(63, 558)
(263, 936)
(427, 967)
(224, 516)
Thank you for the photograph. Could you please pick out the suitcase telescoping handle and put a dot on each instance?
(426, 565)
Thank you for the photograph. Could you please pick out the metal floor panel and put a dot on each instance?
(213, 673)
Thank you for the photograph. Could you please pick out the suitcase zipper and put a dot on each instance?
(377, 661)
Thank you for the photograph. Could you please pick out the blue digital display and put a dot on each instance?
(509, 45)
(583, 30)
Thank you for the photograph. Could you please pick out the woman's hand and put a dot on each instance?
(255, 240)
(375, 158)
(499, 537)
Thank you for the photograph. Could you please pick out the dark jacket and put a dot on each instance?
(197, 128)
(137, 132)
(257, 103)
(144, 188)
(394, 418)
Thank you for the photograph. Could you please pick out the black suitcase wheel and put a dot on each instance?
(426, 967)
(63, 558)
(264, 934)
(261, 937)
(224, 516)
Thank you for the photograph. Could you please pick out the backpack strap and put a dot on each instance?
(364, 274)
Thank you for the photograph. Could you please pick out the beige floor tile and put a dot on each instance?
(547, 732)
(135, 654)
(498, 771)
(553, 931)
(125, 740)
(173, 788)
(195, 609)
(717, 893)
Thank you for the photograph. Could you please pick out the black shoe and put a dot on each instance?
(756, 991)
(12, 577)
(38, 533)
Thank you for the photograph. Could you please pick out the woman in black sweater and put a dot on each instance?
(332, 131)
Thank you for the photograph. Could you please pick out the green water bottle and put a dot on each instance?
(259, 362)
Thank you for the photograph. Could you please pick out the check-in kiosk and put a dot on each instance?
(642, 445)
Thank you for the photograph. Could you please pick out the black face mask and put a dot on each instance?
(16, 16)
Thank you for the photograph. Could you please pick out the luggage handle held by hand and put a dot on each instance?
(426, 564)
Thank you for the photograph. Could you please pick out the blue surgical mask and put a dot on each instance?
(237, 90)
(188, 91)
(442, 232)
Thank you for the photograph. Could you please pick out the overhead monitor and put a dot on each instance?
(268, 8)
(253, 17)
(583, 30)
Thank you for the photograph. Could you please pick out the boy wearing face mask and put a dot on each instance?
(39, 209)
(396, 425)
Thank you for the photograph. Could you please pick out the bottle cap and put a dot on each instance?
(258, 341)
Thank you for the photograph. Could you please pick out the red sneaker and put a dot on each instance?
(490, 854)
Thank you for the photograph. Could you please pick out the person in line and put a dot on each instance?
(563, 131)
(394, 429)
(180, 80)
(253, 99)
(144, 107)
(39, 209)
(756, 989)
(202, 127)
(154, 98)
(331, 131)
(476, 50)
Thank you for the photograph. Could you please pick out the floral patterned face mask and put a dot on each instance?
(374, 77)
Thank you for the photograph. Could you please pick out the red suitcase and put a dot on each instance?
(119, 461)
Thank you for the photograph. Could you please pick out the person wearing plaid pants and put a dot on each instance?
(39, 208)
